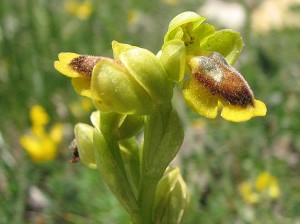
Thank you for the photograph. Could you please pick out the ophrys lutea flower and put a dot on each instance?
(214, 84)
(205, 56)
(134, 82)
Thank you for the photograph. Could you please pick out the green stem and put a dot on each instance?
(158, 134)
(147, 193)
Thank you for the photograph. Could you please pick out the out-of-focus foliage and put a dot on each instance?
(217, 156)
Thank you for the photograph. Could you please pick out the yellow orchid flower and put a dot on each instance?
(79, 68)
(215, 83)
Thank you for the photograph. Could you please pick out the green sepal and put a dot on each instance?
(147, 71)
(84, 141)
(114, 90)
(173, 59)
(227, 42)
(203, 32)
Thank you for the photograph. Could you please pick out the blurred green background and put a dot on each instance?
(217, 156)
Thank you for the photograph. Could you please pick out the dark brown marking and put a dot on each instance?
(75, 157)
(84, 64)
(232, 87)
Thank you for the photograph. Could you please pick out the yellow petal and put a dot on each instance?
(39, 149)
(239, 114)
(38, 116)
(200, 99)
(62, 65)
(82, 86)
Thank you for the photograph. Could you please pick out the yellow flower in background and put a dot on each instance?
(247, 192)
(266, 183)
(264, 187)
(82, 10)
(39, 148)
(132, 17)
(40, 144)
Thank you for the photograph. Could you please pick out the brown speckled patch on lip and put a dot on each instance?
(84, 64)
(231, 86)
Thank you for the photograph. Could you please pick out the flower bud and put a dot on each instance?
(84, 141)
(171, 199)
(186, 20)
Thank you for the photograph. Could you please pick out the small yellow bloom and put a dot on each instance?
(267, 183)
(264, 187)
(247, 192)
(213, 83)
(39, 144)
(82, 10)
(40, 149)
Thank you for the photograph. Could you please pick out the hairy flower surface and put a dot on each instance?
(214, 83)
(79, 68)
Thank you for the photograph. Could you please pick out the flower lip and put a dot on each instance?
(221, 79)
(84, 64)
